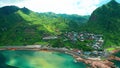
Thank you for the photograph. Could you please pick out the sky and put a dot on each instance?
(80, 7)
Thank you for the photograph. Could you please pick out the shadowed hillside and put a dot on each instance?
(106, 20)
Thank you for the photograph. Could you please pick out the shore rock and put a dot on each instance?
(97, 63)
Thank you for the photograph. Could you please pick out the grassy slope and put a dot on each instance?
(24, 27)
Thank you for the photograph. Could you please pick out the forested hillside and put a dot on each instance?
(21, 26)
(106, 20)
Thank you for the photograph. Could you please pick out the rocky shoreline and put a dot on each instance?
(114, 58)
(94, 63)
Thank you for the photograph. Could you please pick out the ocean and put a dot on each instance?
(37, 59)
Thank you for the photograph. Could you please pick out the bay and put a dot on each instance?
(37, 59)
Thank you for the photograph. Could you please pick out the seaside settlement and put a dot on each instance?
(95, 40)
(96, 59)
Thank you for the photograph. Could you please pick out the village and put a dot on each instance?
(96, 42)
(96, 39)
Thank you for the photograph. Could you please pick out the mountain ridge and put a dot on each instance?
(21, 26)
(106, 20)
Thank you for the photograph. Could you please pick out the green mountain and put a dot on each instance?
(106, 20)
(21, 26)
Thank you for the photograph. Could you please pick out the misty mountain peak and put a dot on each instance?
(9, 9)
(113, 3)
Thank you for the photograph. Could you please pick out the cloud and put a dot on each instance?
(81, 7)
(10, 2)
(86, 6)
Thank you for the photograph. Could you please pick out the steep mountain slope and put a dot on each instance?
(106, 20)
(21, 26)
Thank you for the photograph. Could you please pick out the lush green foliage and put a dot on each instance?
(106, 20)
(20, 26)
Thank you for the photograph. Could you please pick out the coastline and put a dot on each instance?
(93, 62)
(96, 63)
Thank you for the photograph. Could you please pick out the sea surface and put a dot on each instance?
(37, 59)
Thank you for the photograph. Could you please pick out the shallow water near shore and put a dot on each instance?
(38, 59)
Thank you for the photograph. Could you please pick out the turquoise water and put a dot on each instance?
(38, 59)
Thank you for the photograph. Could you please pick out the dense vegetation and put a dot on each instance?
(106, 20)
(21, 26)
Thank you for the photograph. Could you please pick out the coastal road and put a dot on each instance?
(40, 48)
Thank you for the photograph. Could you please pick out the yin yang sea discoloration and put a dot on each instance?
(37, 59)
